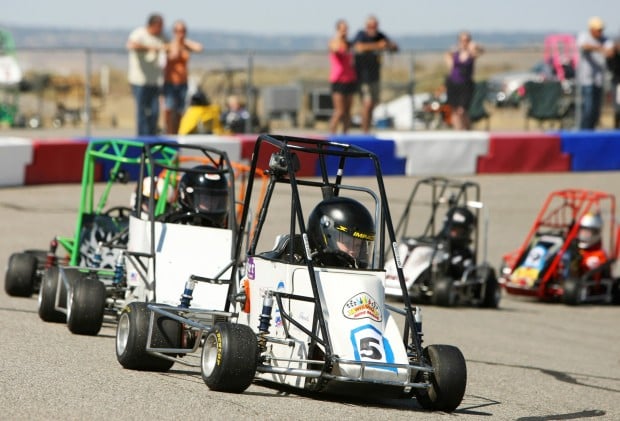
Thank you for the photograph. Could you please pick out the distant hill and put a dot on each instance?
(46, 38)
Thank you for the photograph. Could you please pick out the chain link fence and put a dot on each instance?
(88, 87)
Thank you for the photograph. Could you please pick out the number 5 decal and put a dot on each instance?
(370, 345)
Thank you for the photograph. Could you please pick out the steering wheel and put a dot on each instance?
(185, 217)
(119, 212)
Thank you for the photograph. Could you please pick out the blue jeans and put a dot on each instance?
(591, 102)
(174, 96)
(147, 108)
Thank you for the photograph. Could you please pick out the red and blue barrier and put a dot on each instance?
(44, 161)
(524, 153)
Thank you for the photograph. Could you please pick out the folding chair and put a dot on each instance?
(477, 111)
(546, 101)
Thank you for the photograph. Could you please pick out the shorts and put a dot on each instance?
(370, 91)
(348, 88)
(174, 97)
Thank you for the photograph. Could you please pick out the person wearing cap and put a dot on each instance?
(594, 48)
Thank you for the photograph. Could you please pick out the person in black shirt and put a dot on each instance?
(368, 44)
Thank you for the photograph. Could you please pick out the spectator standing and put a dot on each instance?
(613, 63)
(594, 47)
(145, 45)
(460, 80)
(368, 44)
(342, 77)
(176, 75)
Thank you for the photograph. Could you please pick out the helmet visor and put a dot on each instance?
(210, 201)
(357, 248)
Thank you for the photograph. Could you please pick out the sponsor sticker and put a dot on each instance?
(362, 306)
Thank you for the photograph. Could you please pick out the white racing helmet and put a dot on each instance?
(589, 233)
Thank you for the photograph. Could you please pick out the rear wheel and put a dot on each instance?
(229, 358)
(132, 334)
(20, 274)
(444, 293)
(86, 305)
(574, 291)
(47, 296)
(492, 291)
(448, 380)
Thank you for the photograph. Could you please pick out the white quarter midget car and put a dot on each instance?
(311, 308)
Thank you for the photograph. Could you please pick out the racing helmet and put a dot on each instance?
(341, 224)
(458, 226)
(206, 193)
(589, 233)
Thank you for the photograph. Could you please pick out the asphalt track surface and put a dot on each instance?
(526, 361)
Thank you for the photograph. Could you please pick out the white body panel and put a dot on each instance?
(181, 251)
(359, 327)
(415, 262)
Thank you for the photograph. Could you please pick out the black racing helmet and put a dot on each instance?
(341, 224)
(459, 224)
(205, 193)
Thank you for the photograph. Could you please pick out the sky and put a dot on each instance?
(317, 17)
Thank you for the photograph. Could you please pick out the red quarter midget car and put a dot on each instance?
(570, 251)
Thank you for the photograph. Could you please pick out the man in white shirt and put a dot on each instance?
(145, 45)
(594, 47)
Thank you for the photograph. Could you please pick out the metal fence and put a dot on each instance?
(281, 88)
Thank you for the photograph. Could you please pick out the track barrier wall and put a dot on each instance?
(26, 161)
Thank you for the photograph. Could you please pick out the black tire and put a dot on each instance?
(20, 274)
(132, 333)
(573, 288)
(615, 291)
(86, 305)
(47, 297)
(492, 291)
(444, 293)
(448, 381)
(229, 358)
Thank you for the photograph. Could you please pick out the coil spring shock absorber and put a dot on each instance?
(265, 319)
(188, 292)
(119, 269)
(50, 258)
(97, 258)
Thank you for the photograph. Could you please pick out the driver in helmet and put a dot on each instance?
(458, 228)
(589, 242)
(202, 198)
(341, 232)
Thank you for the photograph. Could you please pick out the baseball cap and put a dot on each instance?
(596, 23)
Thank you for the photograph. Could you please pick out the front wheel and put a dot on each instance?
(444, 293)
(574, 292)
(20, 274)
(448, 380)
(47, 296)
(229, 358)
(132, 334)
(86, 306)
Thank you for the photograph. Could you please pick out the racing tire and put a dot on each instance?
(132, 334)
(20, 274)
(47, 297)
(229, 358)
(615, 291)
(573, 291)
(444, 293)
(85, 306)
(448, 380)
(492, 291)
